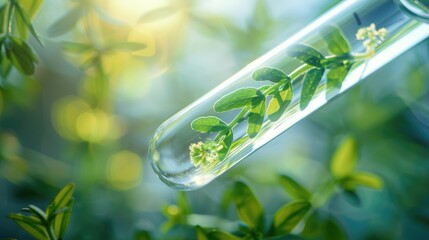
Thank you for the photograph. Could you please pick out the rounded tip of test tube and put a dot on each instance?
(417, 9)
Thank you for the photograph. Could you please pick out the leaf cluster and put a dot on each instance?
(271, 101)
(15, 24)
(52, 223)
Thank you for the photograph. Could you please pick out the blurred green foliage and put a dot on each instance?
(110, 72)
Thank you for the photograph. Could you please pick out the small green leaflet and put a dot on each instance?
(208, 124)
(344, 159)
(220, 235)
(125, 46)
(256, 118)
(237, 99)
(288, 216)
(248, 207)
(294, 189)
(74, 47)
(21, 55)
(362, 179)
(310, 82)
(305, 54)
(66, 22)
(269, 74)
(337, 43)
(227, 142)
(279, 102)
(62, 219)
(30, 224)
(201, 233)
(23, 23)
(335, 78)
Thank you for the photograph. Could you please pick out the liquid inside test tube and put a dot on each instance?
(274, 92)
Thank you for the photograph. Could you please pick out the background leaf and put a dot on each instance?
(66, 22)
(220, 235)
(248, 207)
(201, 233)
(23, 23)
(309, 85)
(61, 200)
(294, 189)
(208, 124)
(362, 179)
(62, 220)
(21, 56)
(344, 158)
(31, 225)
(288, 216)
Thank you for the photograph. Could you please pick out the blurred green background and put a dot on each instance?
(87, 116)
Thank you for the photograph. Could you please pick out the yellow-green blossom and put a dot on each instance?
(371, 37)
(203, 154)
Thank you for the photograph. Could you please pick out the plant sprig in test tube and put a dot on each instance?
(269, 102)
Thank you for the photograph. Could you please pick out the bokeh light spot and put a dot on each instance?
(124, 170)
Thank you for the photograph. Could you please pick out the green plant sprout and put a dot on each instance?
(273, 100)
(300, 218)
(52, 223)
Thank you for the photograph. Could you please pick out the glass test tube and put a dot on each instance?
(271, 94)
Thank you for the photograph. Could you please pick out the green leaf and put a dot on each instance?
(269, 74)
(201, 233)
(227, 142)
(337, 43)
(125, 47)
(219, 235)
(142, 235)
(248, 207)
(208, 124)
(21, 56)
(3, 12)
(256, 118)
(305, 54)
(310, 82)
(31, 6)
(74, 47)
(38, 212)
(363, 179)
(23, 23)
(344, 158)
(66, 22)
(280, 102)
(157, 14)
(288, 216)
(62, 219)
(294, 189)
(5, 65)
(61, 200)
(237, 99)
(335, 78)
(31, 225)
(333, 230)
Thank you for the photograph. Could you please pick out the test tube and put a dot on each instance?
(268, 96)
